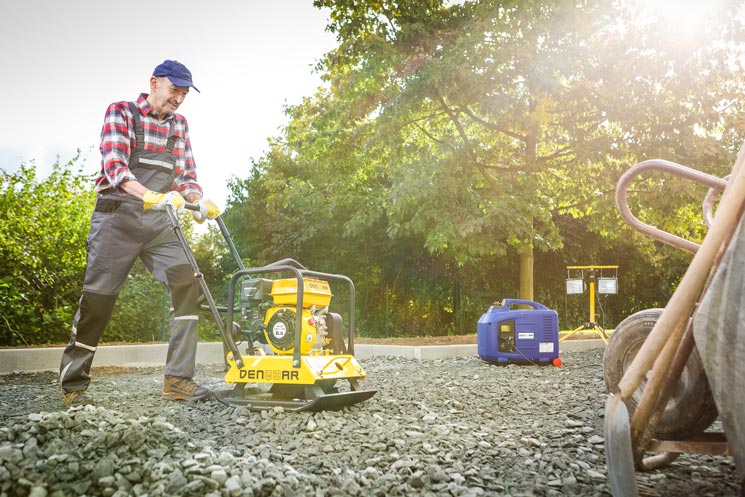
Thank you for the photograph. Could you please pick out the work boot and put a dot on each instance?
(77, 398)
(180, 388)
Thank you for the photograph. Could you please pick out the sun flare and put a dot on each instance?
(680, 15)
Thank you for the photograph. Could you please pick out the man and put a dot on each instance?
(146, 165)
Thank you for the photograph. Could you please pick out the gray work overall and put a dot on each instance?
(120, 232)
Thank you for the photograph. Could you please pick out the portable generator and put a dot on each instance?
(509, 334)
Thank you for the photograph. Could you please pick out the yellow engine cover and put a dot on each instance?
(281, 327)
(315, 292)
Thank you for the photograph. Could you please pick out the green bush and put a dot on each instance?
(43, 231)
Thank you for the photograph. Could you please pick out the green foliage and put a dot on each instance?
(142, 310)
(43, 226)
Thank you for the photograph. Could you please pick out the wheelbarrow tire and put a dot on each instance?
(691, 409)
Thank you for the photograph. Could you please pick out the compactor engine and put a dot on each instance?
(268, 309)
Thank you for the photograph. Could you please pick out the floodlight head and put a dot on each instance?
(608, 286)
(575, 286)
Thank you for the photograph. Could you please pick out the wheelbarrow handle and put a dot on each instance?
(715, 185)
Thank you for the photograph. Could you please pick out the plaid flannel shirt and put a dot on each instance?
(118, 139)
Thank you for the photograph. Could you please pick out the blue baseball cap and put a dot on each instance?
(176, 72)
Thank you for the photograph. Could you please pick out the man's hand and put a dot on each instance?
(158, 201)
(207, 210)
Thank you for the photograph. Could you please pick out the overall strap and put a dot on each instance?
(171, 140)
(139, 132)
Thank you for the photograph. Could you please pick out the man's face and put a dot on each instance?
(165, 97)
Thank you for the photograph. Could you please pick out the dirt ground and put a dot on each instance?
(442, 340)
(449, 339)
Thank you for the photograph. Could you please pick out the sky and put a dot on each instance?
(63, 62)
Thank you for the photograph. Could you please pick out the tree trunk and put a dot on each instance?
(526, 273)
(526, 252)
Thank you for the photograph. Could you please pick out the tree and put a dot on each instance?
(512, 112)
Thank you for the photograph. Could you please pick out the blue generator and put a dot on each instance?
(507, 334)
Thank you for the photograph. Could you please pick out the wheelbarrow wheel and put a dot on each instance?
(691, 409)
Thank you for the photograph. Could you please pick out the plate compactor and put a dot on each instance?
(296, 352)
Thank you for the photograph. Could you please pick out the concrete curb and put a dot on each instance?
(145, 355)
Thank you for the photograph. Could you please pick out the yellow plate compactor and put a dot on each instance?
(296, 354)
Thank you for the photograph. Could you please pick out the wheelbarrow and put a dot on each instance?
(648, 370)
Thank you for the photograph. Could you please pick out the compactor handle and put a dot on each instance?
(225, 234)
(534, 305)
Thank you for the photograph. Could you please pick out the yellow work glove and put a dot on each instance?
(207, 210)
(158, 201)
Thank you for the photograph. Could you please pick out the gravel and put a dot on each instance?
(453, 427)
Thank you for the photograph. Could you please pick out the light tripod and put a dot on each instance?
(595, 279)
